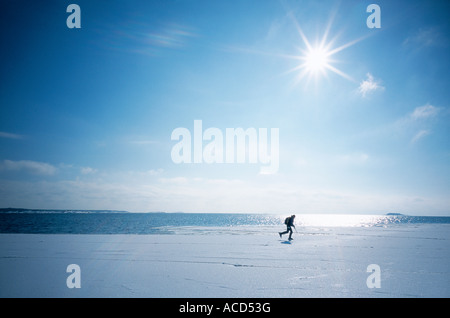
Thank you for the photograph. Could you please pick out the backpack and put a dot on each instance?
(286, 221)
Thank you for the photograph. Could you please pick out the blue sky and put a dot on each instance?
(86, 115)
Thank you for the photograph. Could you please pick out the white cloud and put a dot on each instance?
(424, 111)
(175, 180)
(143, 142)
(10, 135)
(425, 37)
(211, 195)
(33, 167)
(369, 85)
(413, 126)
(154, 172)
(420, 135)
(88, 170)
(142, 37)
(353, 158)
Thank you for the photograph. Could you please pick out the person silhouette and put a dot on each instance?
(289, 221)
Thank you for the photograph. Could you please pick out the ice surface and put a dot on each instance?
(237, 261)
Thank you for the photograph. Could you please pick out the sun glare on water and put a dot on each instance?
(343, 220)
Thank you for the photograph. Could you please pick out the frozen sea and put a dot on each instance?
(222, 255)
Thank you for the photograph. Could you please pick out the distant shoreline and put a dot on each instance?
(22, 210)
(66, 211)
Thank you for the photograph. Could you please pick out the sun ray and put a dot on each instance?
(339, 72)
(342, 47)
(316, 59)
(299, 30)
(327, 30)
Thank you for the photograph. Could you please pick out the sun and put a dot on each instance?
(316, 60)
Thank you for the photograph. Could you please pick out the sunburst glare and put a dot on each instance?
(316, 60)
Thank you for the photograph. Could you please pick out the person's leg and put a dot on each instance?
(290, 233)
(285, 232)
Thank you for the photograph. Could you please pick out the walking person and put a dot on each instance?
(289, 221)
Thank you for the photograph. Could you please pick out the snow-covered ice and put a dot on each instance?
(249, 261)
